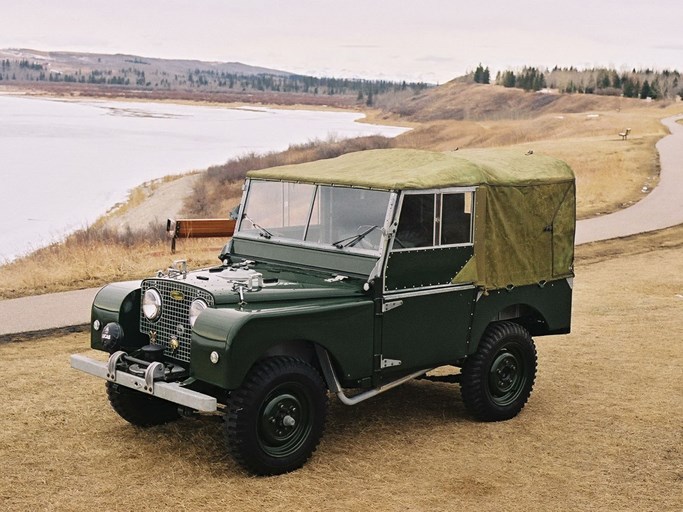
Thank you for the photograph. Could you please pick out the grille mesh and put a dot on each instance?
(174, 319)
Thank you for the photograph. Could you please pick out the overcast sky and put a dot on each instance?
(428, 40)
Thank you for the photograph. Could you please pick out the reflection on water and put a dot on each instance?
(65, 163)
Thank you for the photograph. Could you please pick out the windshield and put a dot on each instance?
(338, 217)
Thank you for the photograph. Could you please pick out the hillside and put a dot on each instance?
(457, 101)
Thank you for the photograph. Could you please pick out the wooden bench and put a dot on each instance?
(625, 133)
(198, 228)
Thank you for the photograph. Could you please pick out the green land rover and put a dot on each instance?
(349, 275)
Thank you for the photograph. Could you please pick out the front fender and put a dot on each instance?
(241, 337)
(118, 302)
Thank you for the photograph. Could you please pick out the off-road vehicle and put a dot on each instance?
(349, 275)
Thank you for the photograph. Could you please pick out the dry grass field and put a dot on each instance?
(603, 429)
(74, 266)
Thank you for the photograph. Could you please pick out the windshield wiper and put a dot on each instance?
(262, 231)
(353, 240)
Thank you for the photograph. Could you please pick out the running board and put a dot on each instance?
(333, 382)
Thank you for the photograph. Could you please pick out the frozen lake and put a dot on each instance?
(65, 163)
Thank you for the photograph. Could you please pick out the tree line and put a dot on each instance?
(642, 84)
(365, 91)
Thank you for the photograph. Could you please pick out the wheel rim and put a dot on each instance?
(285, 420)
(507, 376)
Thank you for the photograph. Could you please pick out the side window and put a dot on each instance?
(416, 223)
(456, 218)
(429, 220)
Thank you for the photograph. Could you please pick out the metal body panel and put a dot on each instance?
(542, 309)
(419, 268)
(241, 336)
(333, 259)
(427, 330)
(118, 302)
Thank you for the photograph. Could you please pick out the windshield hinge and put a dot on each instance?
(336, 278)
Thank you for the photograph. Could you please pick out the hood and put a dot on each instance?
(261, 283)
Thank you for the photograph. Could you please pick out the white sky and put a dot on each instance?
(429, 40)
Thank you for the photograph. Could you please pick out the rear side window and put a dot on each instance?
(435, 219)
(456, 218)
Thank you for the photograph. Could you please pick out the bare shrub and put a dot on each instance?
(219, 187)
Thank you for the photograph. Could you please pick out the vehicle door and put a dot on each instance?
(425, 319)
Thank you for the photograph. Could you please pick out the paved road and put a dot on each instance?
(45, 312)
(663, 207)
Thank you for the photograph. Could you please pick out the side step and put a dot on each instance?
(333, 382)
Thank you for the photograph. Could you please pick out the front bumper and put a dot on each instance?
(149, 384)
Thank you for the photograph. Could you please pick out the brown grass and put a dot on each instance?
(602, 430)
(96, 256)
(460, 101)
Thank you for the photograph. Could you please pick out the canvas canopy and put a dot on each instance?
(525, 209)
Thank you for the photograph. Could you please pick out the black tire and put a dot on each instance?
(276, 418)
(497, 379)
(140, 409)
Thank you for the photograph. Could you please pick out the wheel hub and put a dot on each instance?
(281, 416)
(505, 376)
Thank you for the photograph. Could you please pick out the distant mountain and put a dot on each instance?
(119, 75)
(72, 62)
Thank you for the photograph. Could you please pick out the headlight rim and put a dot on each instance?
(193, 313)
(158, 304)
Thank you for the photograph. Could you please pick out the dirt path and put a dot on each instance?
(663, 207)
(164, 202)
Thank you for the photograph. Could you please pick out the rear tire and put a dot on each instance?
(497, 379)
(276, 418)
(140, 409)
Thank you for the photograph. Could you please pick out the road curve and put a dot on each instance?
(661, 208)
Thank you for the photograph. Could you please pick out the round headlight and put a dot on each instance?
(151, 304)
(197, 306)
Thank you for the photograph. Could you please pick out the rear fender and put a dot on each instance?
(543, 309)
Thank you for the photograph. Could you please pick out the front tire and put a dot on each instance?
(140, 409)
(276, 418)
(497, 379)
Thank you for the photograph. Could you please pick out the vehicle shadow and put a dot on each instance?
(411, 411)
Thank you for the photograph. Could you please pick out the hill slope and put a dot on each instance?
(476, 102)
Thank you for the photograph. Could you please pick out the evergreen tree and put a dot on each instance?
(508, 79)
(481, 75)
(646, 91)
(486, 76)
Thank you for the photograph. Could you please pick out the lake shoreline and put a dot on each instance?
(303, 121)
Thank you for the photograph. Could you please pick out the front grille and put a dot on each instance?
(174, 320)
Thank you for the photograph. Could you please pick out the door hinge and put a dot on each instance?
(388, 306)
(388, 363)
